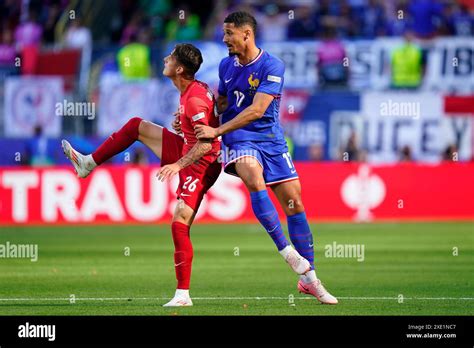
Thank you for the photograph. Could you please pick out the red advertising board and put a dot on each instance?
(331, 192)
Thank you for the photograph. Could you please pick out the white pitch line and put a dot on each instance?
(231, 298)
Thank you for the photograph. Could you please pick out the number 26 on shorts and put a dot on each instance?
(190, 184)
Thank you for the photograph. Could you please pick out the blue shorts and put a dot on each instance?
(273, 158)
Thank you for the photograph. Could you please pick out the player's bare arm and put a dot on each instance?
(260, 103)
(197, 151)
(222, 103)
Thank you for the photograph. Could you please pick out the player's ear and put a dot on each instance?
(247, 34)
(179, 70)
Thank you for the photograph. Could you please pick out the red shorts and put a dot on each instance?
(194, 180)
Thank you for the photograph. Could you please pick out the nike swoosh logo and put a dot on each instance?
(304, 287)
(226, 81)
(311, 245)
(273, 229)
(293, 171)
(176, 265)
(185, 194)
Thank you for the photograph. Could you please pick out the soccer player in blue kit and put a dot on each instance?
(250, 87)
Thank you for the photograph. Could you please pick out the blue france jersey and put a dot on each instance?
(239, 83)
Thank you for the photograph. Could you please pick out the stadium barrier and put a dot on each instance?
(331, 192)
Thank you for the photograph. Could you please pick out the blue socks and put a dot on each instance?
(301, 236)
(298, 227)
(266, 213)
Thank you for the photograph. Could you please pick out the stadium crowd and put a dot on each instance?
(280, 20)
(137, 26)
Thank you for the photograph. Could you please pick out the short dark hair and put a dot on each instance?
(241, 18)
(189, 56)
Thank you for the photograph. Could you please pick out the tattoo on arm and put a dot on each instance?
(197, 151)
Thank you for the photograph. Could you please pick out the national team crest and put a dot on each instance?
(253, 82)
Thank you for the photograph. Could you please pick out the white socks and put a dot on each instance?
(308, 277)
(285, 251)
(89, 162)
(181, 293)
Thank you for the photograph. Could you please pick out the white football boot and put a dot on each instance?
(180, 299)
(78, 160)
(317, 289)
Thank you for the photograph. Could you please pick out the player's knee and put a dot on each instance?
(135, 121)
(183, 213)
(294, 205)
(132, 127)
(181, 216)
(255, 184)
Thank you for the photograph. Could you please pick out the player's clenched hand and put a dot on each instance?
(205, 132)
(176, 123)
(168, 171)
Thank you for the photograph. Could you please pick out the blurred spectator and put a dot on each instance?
(346, 23)
(427, 15)
(337, 15)
(7, 49)
(398, 20)
(273, 26)
(28, 33)
(407, 64)
(133, 28)
(186, 27)
(351, 152)
(303, 26)
(37, 149)
(28, 36)
(79, 36)
(217, 32)
(53, 14)
(134, 58)
(450, 153)
(371, 21)
(406, 154)
(157, 10)
(10, 13)
(315, 152)
(331, 54)
(459, 20)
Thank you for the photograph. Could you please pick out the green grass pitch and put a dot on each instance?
(237, 271)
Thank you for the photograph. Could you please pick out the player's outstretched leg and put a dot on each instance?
(183, 255)
(250, 172)
(113, 145)
(135, 129)
(289, 195)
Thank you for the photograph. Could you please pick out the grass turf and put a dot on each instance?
(234, 264)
